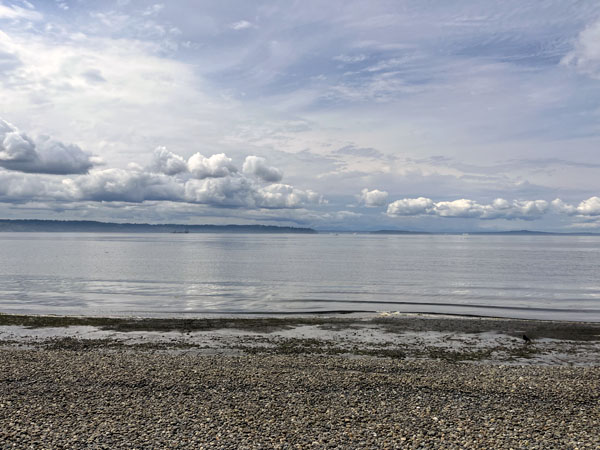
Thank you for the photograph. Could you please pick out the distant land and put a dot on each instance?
(26, 225)
(91, 226)
(505, 233)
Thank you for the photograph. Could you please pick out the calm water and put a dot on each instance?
(147, 274)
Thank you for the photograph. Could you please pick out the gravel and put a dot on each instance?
(99, 399)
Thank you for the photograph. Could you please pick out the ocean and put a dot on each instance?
(541, 277)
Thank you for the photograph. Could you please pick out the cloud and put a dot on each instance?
(21, 153)
(168, 162)
(373, 198)
(380, 88)
(238, 191)
(93, 76)
(135, 186)
(589, 207)
(586, 208)
(410, 207)
(286, 196)
(8, 60)
(241, 25)
(458, 208)
(215, 166)
(16, 12)
(585, 56)
(257, 166)
(498, 209)
(465, 208)
(153, 10)
(350, 59)
(531, 209)
(561, 207)
(212, 181)
(233, 191)
(16, 146)
(365, 152)
(16, 187)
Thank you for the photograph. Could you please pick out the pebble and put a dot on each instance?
(132, 399)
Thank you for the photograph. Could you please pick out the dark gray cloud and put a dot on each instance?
(21, 153)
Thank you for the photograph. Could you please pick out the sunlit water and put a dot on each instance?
(161, 274)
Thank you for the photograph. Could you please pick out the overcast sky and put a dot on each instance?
(357, 115)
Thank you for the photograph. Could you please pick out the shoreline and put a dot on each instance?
(376, 381)
(182, 316)
(411, 336)
(438, 309)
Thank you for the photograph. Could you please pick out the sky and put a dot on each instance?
(339, 115)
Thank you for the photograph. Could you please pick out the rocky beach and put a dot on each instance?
(342, 381)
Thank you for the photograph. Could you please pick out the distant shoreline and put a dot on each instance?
(484, 233)
(92, 226)
(70, 226)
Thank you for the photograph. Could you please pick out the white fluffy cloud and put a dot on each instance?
(168, 162)
(211, 181)
(410, 207)
(286, 196)
(465, 208)
(234, 191)
(123, 185)
(216, 166)
(21, 153)
(239, 191)
(458, 208)
(531, 209)
(373, 198)
(589, 207)
(258, 167)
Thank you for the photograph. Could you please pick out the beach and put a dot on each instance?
(338, 381)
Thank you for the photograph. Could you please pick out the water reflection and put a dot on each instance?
(518, 276)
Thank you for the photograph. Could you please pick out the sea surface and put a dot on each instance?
(545, 277)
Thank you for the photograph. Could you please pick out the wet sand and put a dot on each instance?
(402, 336)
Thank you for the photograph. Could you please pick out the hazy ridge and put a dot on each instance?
(41, 225)
(31, 225)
